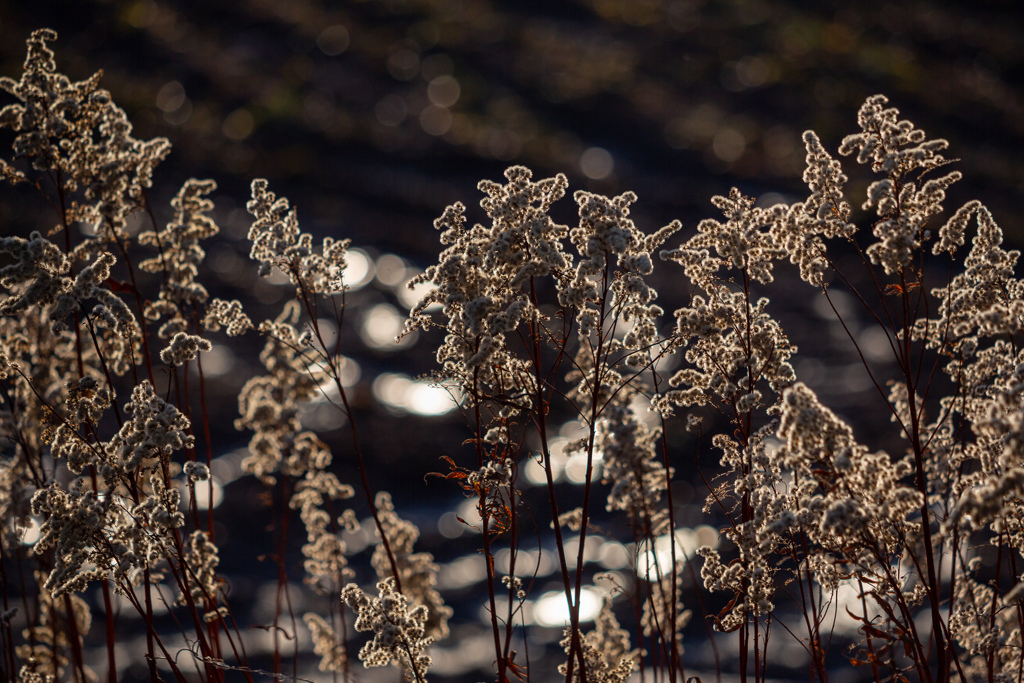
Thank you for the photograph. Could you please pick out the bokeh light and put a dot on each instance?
(333, 40)
(552, 610)
(596, 163)
(413, 396)
(359, 271)
(381, 326)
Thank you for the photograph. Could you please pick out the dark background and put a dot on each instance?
(361, 128)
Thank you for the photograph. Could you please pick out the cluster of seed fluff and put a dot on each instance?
(986, 627)
(494, 473)
(742, 243)
(825, 213)
(630, 465)
(898, 150)
(90, 526)
(153, 430)
(484, 279)
(201, 559)
(664, 615)
(269, 404)
(39, 276)
(86, 401)
(399, 633)
(572, 520)
(39, 285)
(416, 571)
(97, 537)
(990, 494)
(976, 443)
(851, 508)
(326, 643)
(861, 497)
(888, 144)
(750, 580)
(985, 300)
(757, 481)
(49, 641)
(74, 526)
(184, 348)
(227, 315)
(179, 257)
(525, 239)
(36, 274)
(277, 241)
(733, 348)
(606, 651)
(75, 132)
(26, 422)
(606, 232)
(324, 552)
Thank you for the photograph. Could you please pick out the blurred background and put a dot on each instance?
(372, 116)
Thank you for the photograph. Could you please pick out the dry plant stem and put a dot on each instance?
(337, 616)
(106, 375)
(813, 627)
(183, 400)
(151, 635)
(934, 596)
(676, 662)
(180, 573)
(512, 597)
(346, 667)
(1020, 621)
(595, 396)
(868, 639)
(31, 614)
(282, 584)
(239, 649)
(485, 515)
(282, 576)
(147, 615)
(540, 418)
(574, 602)
(6, 632)
(746, 513)
(207, 437)
(990, 657)
(659, 642)
(214, 626)
(74, 636)
(309, 302)
(139, 302)
(921, 659)
(107, 608)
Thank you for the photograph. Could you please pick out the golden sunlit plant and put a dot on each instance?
(107, 448)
